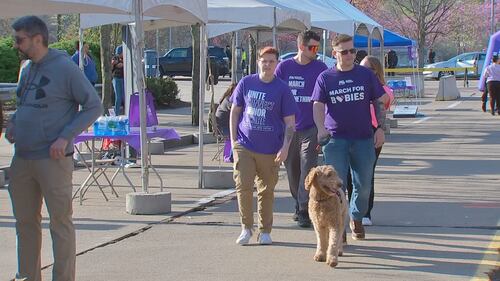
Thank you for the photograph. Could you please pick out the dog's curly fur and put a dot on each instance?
(327, 210)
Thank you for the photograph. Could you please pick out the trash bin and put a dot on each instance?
(150, 63)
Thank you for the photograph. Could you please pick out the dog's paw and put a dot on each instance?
(332, 261)
(319, 257)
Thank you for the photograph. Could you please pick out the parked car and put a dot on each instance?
(330, 62)
(179, 62)
(472, 59)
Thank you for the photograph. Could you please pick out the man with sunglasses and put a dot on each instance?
(300, 73)
(51, 88)
(342, 97)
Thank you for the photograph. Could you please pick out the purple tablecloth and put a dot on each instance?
(133, 138)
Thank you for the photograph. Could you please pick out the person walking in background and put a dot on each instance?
(244, 61)
(374, 64)
(224, 110)
(229, 56)
(89, 67)
(432, 56)
(50, 90)
(492, 77)
(342, 97)
(392, 61)
(360, 55)
(262, 123)
(118, 83)
(300, 73)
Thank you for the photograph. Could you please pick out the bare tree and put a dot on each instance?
(5, 29)
(60, 27)
(195, 92)
(428, 17)
(105, 40)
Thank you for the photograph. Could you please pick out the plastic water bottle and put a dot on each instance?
(112, 125)
(122, 125)
(100, 126)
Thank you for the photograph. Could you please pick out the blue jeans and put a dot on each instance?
(118, 87)
(359, 155)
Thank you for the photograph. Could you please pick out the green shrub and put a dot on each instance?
(9, 61)
(164, 90)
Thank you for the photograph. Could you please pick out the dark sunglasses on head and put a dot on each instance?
(313, 48)
(344, 52)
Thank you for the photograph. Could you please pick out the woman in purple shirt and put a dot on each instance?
(262, 123)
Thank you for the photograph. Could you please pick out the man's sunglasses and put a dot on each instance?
(344, 52)
(313, 48)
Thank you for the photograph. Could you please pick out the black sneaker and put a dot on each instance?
(304, 220)
(295, 216)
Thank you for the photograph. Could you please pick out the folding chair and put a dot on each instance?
(219, 138)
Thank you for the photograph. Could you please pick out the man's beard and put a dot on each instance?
(22, 56)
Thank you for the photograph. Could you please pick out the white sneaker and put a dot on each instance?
(132, 165)
(244, 237)
(366, 222)
(265, 239)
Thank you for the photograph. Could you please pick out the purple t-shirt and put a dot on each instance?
(261, 127)
(347, 96)
(301, 80)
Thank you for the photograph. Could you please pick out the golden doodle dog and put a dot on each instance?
(327, 210)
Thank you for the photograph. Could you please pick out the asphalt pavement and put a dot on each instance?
(436, 214)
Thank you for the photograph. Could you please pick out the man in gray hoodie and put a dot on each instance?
(50, 89)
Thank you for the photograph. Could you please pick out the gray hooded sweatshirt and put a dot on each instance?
(48, 95)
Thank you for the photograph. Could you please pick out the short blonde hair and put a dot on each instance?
(341, 38)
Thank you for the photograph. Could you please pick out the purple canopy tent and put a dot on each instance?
(493, 49)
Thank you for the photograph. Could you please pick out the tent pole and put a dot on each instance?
(324, 44)
(139, 77)
(274, 28)
(157, 69)
(370, 37)
(201, 102)
(234, 58)
(257, 51)
(80, 48)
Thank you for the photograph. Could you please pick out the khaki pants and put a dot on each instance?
(261, 168)
(30, 182)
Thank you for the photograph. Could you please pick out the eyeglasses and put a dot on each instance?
(313, 48)
(344, 52)
(268, 61)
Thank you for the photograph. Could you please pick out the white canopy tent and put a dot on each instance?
(189, 11)
(238, 15)
(338, 16)
(194, 11)
(334, 15)
(17, 8)
(227, 16)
